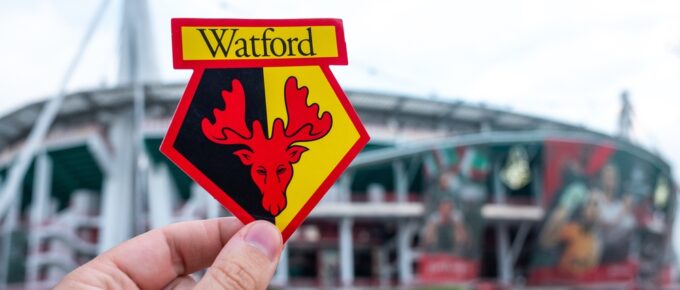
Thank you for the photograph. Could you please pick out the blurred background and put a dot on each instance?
(515, 144)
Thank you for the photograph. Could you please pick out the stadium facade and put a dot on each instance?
(446, 193)
(503, 177)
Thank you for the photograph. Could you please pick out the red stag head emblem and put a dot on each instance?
(270, 159)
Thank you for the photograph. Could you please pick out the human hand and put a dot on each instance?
(239, 257)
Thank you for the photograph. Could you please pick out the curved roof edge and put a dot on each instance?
(80, 105)
(417, 148)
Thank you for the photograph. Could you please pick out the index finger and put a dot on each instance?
(154, 259)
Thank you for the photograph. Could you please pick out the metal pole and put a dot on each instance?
(400, 180)
(281, 276)
(7, 231)
(503, 254)
(136, 68)
(41, 189)
(345, 187)
(503, 251)
(3, 252)
(537, 184)
(405, 252)
(518, 242)
(346, 252)
(141, 161)
(117, 222)
(39, 212)
(161, 193)
(498, 188)
(47, 116)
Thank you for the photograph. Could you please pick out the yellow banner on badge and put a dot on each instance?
(238, 43)
(256, 43)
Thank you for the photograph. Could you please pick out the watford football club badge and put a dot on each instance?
(263, 125)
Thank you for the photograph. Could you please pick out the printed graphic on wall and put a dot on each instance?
(607, 212)
(456, 189)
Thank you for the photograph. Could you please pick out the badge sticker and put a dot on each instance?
(263, 125)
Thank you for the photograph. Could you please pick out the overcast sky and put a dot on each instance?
(564, 60)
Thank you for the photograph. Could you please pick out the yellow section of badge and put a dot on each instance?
(323, 155)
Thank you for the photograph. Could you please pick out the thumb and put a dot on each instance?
(247, 261)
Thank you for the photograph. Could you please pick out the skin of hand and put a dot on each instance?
(236, 256)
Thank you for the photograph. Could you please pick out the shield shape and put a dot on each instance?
(267, 141)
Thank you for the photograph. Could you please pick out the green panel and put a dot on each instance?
(27, 188)
(26, 185)
(73, 168)
(182, 181)
(383, 174)
(417, 183)
(380, 174)
(376, 146)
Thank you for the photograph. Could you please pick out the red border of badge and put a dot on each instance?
(199, 66)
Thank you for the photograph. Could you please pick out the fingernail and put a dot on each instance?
(265, 237)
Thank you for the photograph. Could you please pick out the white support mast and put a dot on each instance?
(137, 67)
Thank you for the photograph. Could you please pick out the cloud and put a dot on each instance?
(562, 60)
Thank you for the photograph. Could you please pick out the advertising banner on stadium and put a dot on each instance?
(451, 236)
(605, 210)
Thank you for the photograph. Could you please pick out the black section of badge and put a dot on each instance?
(217, 161)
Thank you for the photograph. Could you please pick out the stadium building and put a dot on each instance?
(446, 193)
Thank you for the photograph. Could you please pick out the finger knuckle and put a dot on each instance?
(234, 275)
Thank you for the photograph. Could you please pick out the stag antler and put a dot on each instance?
(270, 159)
(230, 123)
(304, 123)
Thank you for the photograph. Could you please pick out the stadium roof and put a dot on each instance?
(406, 151)
(98, 106)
